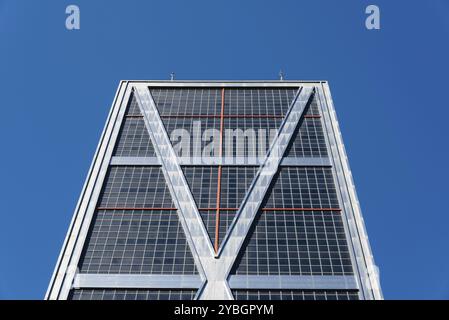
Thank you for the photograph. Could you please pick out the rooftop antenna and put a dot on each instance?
(172, 76)
(281, 75)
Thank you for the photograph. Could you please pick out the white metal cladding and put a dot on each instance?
(66, 266)
(363, 261)
(293, 282)
(140, 281)
(156, 281)
(214, 280)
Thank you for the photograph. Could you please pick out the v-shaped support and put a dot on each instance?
(189, 216)
(215, 270)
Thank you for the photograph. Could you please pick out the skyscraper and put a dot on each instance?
(218, 190)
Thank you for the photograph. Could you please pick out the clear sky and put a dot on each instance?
(389, 87)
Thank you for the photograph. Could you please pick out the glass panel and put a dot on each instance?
(137, 242)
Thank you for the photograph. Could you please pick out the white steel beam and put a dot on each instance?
(67, 264)
(293, 282)
(363, 261)
(140, 281)
(189, 216)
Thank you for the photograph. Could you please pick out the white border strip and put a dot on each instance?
(293, 282)
(139, 281)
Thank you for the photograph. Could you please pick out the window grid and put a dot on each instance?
(235, 182)
(131, 294)
(187, 101)
(320, 247)
(295, 294)
(207, 101)
(135, 187)
(258, 101)
(134, 140)
(196, 135)
(249, 136)
(133, 107)
(181, 107)
(202, 182)
(296, 243)
(209, 218)
(308, 140)
(226, 218)
(137, 242)
(303, 187)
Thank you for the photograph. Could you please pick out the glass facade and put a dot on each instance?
(300, 228)
(296, 243)
(137, 241)
(131, 294)
(295, 295)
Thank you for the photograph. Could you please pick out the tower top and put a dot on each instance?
(281, 75)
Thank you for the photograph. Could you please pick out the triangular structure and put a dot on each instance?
(133, 140)
(205, 188)
(308, 225)
(309, 140)
(135, 213)
(239, 223)
(219, 190)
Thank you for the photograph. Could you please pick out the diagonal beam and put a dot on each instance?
(253, 199)
(189, 216)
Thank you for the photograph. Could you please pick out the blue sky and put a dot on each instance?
(389, 88)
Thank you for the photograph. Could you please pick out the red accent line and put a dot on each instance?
(269, 116)
(275, 209)
(144, 209)
(301, 209)
(217, 212)
(192, 116)
(220, 152)
(228, 116)
(313, 116)
(221, 209)
(221, 116)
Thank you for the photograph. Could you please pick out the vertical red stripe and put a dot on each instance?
(220, 152)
